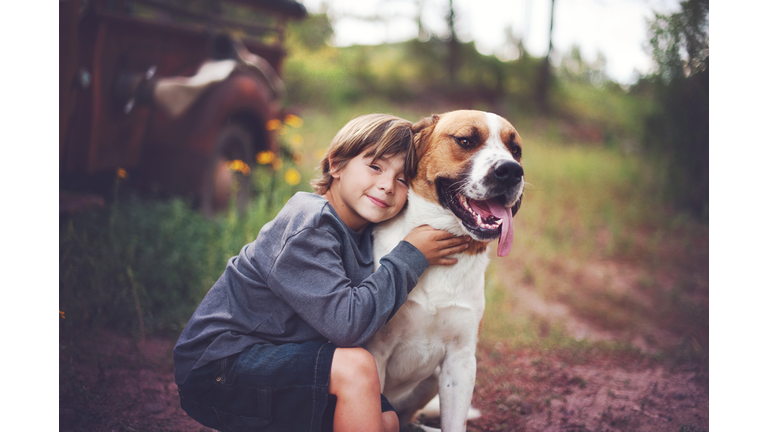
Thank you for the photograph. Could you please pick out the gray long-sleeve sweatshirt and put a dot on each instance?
(307, 276)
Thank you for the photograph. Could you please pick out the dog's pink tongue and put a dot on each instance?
(507, 233)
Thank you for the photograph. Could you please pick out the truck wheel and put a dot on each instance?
(233, 143)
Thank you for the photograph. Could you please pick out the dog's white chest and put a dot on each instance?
(442, 313)
(470, 182)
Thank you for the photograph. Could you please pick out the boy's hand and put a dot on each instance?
(436, 244)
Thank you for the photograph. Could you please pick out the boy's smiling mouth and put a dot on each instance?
(377, 202)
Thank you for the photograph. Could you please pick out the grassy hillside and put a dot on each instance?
(143, 265)
(593, 234)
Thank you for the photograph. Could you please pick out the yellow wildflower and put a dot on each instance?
(238, 165)
(273, 124)
(293, 121)
(292, 176)
(265, 157)
(277, 163)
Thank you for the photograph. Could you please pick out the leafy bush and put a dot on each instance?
(144, 265)
(677, 133)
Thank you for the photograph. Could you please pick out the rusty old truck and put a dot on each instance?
(171, 91)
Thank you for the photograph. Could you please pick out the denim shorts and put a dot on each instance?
(265, 388)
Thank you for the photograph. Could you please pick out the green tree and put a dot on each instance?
(313, 32)
(677, 134)
(544, 80)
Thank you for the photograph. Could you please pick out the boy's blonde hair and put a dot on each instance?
(376, 134)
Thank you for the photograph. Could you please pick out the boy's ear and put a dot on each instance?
(333, 167)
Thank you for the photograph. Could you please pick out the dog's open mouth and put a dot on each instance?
(486, 219)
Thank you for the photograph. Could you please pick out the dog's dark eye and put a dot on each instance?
(516, 151)
(464, 142)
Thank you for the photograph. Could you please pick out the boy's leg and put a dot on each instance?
(355, 383)
(390, 421)
(267, 387)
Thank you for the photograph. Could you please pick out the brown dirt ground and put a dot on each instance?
(112, 382)
(535, 390)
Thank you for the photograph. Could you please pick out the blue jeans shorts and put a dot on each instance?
(265, 388)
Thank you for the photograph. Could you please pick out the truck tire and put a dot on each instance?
(221, 182)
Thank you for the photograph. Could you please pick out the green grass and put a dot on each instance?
(593, 236)
(141, 262)
(584, 204)
(142, 265)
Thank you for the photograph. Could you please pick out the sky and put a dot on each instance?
(615, 28)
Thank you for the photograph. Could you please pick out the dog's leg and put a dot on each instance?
(421, 395)
(381, 351)
(457, 382)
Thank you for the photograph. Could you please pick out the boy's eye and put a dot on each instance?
(402, 180)
(374, 167)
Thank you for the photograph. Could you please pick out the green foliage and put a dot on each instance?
(313, 32)
(415, 72)
(677, 133)
(143, 266)
(589, 224)
(680, 41)
(131, 250)
(592, 216)
(583, 205)
(149, 263)
(573, 67)
(601, 114)
(322, 76)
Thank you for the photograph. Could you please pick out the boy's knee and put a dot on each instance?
(390, 421)
(354, 365)
(357, 361)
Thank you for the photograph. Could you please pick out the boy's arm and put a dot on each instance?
(310, 276)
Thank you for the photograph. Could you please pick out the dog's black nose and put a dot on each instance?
(509, 171)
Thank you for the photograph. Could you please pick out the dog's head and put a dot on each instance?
(470, 163)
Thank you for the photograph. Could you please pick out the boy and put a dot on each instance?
(275, 344)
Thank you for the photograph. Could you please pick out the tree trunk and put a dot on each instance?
(453, 47)
(545, 70)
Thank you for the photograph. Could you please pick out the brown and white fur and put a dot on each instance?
(466, 159)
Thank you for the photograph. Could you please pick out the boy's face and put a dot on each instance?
(367, 191)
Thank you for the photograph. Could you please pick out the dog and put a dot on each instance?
(469, 180)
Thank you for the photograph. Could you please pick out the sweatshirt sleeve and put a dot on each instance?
(309, 275)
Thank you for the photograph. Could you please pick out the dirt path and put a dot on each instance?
(543, 391)
(112, 382)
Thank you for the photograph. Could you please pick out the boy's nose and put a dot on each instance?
(387, 185)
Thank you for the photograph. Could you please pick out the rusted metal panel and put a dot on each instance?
(177, 150)
(68, 62)
(102, 44)
(131, 45)
(128, 44)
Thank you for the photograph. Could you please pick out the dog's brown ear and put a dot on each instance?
(425, 123)
(421, 131)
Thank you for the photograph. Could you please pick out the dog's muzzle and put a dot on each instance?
(487, 215)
